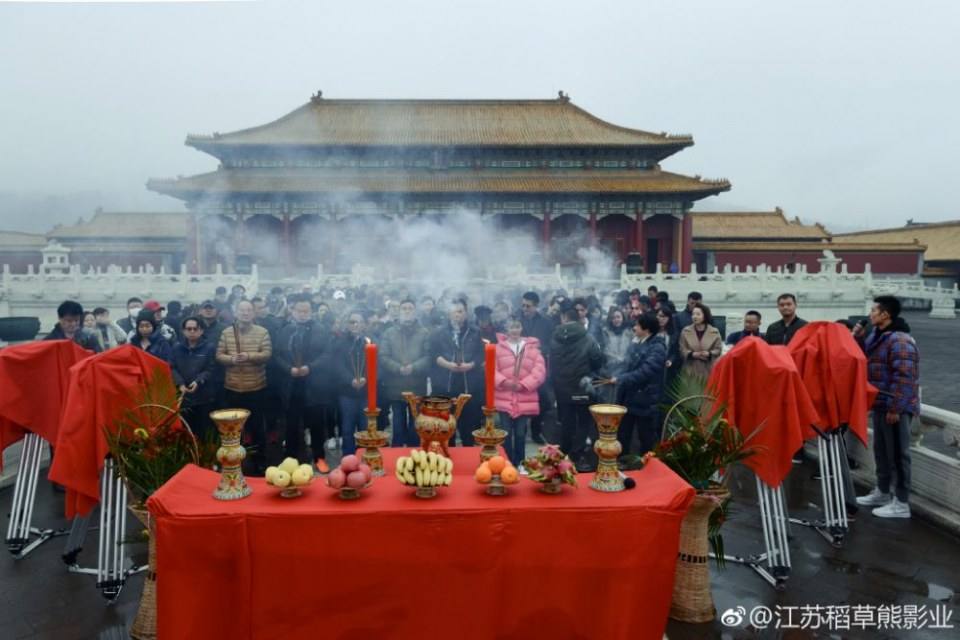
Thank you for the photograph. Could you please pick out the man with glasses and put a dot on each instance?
(538, 326)
(193, 366)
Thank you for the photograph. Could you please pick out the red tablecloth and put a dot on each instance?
(34, 378)
(834, 370)
(101, 388)
(761, 387)
(463, 565)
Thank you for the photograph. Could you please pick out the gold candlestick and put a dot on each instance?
(489, 436)
(231, 453)
(370, 441)
(607, 447)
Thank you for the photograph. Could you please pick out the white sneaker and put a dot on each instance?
(875, 498)
(895, 509)
(523, 471)
(330, 444)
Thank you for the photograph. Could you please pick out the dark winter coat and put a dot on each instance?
(349, 361)
(404, 344)
(573, 356)
(83, 337)
(539, 327)
(780, 333)
(195, 364)
(467, 347)
(312, 345)
(640, 387)
(159, 346)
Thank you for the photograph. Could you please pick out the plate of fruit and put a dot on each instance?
(426, 471)
(290, 477)
(350, 477)
(497, 473)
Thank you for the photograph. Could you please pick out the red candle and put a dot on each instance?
(490, 369)
(371, 351)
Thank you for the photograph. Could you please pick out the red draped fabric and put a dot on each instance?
(834, 370)
(34, 379)
(761, 387)
(464, 565)
(102, 388)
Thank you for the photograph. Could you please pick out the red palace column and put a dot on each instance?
(686, 257)
(639, 239)
(546, 235)
(287, 255)
(193, 256)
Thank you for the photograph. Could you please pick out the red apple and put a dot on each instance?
(336, 478)
(350, 463)
(356, 480)
(366, 471)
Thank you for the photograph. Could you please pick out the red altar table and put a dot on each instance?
(465, 565)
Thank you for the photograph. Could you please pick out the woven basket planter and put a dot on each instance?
(692, 597)
(145, 624)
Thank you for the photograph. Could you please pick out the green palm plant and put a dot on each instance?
(151, 441)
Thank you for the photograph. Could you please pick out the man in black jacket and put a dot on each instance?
(69, 319)
(193, 366)
(456, 356)
(783, 330)
(574, 356)
(536, 325)
(751, 328)
(640, 386)
(349, 368)
(302, 354)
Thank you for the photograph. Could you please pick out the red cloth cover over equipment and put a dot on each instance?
(34, 378)
(102, 388)
(761, 387)
(834, 370)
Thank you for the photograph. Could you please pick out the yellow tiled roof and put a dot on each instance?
(126, 225)
(18, 240)
(426, 181)
(942, 239)
(547, 123)
(767, 225)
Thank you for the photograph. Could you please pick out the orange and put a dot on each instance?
(483, 474)
(497, 463)
(509, 475)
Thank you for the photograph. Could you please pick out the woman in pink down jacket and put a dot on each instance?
(520, 372)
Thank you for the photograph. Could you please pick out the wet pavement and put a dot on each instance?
(896, 563)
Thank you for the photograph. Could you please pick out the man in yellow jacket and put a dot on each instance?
(244, 350)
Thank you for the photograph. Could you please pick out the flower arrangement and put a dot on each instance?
(550, 464)
(152, 442)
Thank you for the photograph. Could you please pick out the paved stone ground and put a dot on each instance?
(884, 562)
(939, 344)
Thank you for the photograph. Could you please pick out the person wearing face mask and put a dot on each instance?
(405, 363)
(128, 324)
(302, 356)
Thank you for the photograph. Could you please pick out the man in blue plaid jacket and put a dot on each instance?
(893, 366)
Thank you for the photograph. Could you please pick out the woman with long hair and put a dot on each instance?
(616, 342)
(700, 342)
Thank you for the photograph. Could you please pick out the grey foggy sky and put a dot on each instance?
(839, 112)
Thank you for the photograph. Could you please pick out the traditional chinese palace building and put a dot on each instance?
(330, 168)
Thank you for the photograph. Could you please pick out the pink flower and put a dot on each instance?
(564, 466)
(549, 473)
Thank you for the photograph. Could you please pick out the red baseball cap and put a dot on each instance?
(153, 305)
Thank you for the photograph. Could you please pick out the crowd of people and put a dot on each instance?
(295, 359)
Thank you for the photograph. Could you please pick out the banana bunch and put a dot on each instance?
(424, 469)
